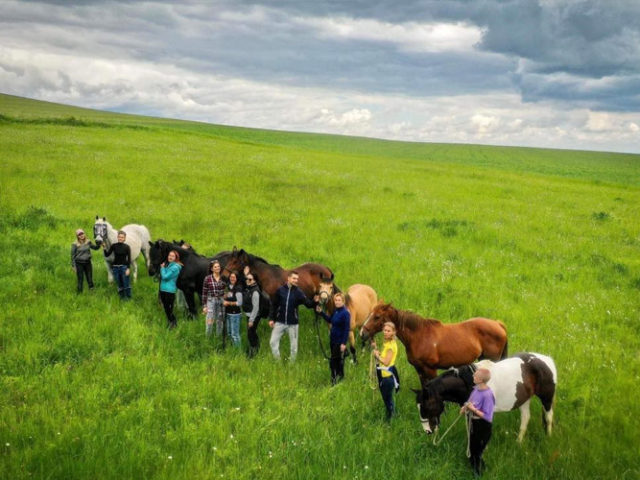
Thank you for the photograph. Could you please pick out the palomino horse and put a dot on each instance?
(195, 268)
(431, 344)
(359, 300)
(271, 277)
(137, 238)
(514, 381)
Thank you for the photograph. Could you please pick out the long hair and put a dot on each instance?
(175, 252)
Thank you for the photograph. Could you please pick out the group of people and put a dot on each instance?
(223, 304)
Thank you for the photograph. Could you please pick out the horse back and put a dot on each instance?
(360, 300)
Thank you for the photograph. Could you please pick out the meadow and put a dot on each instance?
(545, 240)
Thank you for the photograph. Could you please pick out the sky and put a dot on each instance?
(540, 73)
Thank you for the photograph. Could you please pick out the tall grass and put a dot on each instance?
(546, 241)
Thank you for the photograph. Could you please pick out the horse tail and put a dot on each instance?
(505, 350)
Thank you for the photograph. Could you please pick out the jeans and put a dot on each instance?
(122, 280)
(276, 335)
(215, 313)
(84, 269)
(233, 326)
(387, 386)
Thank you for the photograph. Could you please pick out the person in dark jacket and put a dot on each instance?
(340, 322)
(121, 264)
(284, 314)
(251, 306)
(81, 259)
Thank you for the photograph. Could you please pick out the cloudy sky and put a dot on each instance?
(543, 73)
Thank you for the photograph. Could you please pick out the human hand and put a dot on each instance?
(343, 347)
(250, 324)
(205, 309)
(318, 308)
(127, 272)
(271, 323)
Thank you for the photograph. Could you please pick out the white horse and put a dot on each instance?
(138, 239)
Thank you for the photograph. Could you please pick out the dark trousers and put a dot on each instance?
(479, 438)
(122, 280)
(84, 269)
(168, 300)
(336, 363)
(254, 340)
(387, 386)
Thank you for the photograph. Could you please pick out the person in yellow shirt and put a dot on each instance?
(385, 367)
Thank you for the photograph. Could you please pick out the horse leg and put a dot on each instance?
(109, 271)
(191, 303)
(525, 414)
(547, 410)
(134, 270)
(352, 347)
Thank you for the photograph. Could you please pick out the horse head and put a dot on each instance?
(381, 313)
(158, 252)
(100, 230)
(236, 262)
(430, 407)
(325, 291)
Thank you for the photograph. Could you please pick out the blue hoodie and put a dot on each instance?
(169, 276)
(340, 322)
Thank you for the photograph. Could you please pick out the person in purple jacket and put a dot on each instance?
(480, 405)
(340, 322)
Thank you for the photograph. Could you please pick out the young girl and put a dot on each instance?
(387, 373)
(481, 404)
(212, 296)
(81, 259)
(169, 273)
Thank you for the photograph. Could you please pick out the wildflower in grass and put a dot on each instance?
(170, 457)
(7, 444)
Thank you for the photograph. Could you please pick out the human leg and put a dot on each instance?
(386, 390)
(118, 276)
(276, 335)
(79, 276)
(89, 273)
(168, 300)
(292, 331)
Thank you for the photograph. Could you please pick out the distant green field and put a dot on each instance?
(545, 240)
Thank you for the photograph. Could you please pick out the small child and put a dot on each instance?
(481, 404)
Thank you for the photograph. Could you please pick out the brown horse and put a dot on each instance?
(271, 277)
(430, 344)
(359, 300)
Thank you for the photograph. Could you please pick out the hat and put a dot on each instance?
(79, 231)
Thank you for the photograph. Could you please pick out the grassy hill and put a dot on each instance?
(545, 240)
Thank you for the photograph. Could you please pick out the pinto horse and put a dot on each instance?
(431, 344)
(514, 381)
(271, 277)
(195, 268)
(359, 300)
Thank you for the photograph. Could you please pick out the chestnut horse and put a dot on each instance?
(271, 277)
(359, 300)
(431, 344)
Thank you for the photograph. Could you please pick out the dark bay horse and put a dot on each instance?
(193, 273)
(271, 277)
(431, 344)
(514, 381)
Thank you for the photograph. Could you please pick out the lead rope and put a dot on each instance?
(373, 377)
(468, 421)
(437, 442)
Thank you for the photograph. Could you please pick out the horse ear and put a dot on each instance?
(96, 217)
(234, 250)
(104, 219)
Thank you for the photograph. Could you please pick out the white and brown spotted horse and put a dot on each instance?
(514, 381)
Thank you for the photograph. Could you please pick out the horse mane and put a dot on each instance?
(412, 320)
(255, 258)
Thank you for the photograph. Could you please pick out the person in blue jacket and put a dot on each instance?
(340, 322)
(284, 314)
(169, 272)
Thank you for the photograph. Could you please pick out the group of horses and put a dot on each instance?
(430, 344)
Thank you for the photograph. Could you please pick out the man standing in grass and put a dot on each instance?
(284, 314)
(121, 264)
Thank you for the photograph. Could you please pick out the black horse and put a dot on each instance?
(195, 268)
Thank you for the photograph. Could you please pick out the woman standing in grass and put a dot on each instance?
(232, 303)
(81, 259)
(340, 322)
(212, 297)
(385, 367)
(169, 273)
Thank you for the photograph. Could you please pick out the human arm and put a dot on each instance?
(255, 307)
(93, 246)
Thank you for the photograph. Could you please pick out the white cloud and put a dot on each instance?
(409, 36)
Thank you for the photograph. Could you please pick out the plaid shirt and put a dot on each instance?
(211, 288)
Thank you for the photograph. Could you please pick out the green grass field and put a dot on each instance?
(546, 241)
